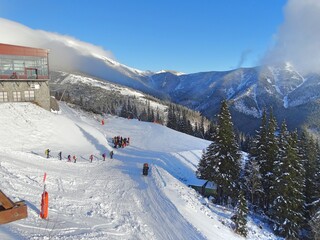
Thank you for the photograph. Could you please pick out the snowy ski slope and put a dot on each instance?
(105, 199)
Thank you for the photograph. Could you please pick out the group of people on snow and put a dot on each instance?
(120, 142)
(74, 158)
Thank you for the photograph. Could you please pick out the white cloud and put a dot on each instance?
(297, 40)
(66, 53)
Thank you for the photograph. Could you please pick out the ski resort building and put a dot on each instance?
(24, 75)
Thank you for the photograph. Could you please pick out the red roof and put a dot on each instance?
(7, 49)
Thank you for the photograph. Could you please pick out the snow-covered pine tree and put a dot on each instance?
(225, 158)
(267, 167)
(316, 205)
(315, 225)
(253, 182)
(240, 218)
(258, 153)
(172, 118)
(309, 155)
(201, 128)
(205, 166)
(264, 152)
(210, 132)
(287, 208)
(184, 124)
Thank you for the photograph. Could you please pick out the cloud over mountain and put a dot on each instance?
(66, 53)
(72, 55)
(297, 40)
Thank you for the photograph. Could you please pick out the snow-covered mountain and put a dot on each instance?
(105, 199)
(293, 96)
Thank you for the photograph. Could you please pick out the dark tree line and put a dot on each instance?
(281, 178)
(187, 121)
(174, 116)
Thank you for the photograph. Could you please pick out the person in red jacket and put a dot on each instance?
(91, 157)
(104, 156)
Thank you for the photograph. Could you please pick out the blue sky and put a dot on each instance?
(182, 35)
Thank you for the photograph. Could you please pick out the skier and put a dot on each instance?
(91, 157)
(145, 169)
(60, 155)
(104, 156)
(47, 152)
(74, 158)
(111, 154)
(69, 158)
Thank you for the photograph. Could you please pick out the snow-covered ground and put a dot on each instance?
(105, 199)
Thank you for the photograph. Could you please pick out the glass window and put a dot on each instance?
(3, 97)
(29, 95)
(17, 96)
(22, 65)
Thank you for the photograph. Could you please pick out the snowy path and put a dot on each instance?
(124, 203)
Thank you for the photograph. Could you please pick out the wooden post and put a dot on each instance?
(5, 201)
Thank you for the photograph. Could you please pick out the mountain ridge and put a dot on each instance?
(248, 90)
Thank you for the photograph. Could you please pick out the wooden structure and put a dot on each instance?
(207, 189)
(10, 211)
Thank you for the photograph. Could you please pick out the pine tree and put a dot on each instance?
(172, 118)
(183, 122)
(287, 208)
(259, 156)
(258, 150)
(158, 118)
(272, 151)
(310, 154)
(134, 112)
(316, 205)
(206, 164)
(315, 225)
(253, 181)
(223, 158)
(201, 128)
(210, 132)
(189, 129)
(240, 218)
(149, 112)
(143, 115)
(124, 111)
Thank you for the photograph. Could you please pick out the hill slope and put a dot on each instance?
(104, 199)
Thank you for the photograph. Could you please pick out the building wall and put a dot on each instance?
(25, 91)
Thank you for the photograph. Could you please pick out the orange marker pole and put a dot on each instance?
(44, 200)
(44, 205)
